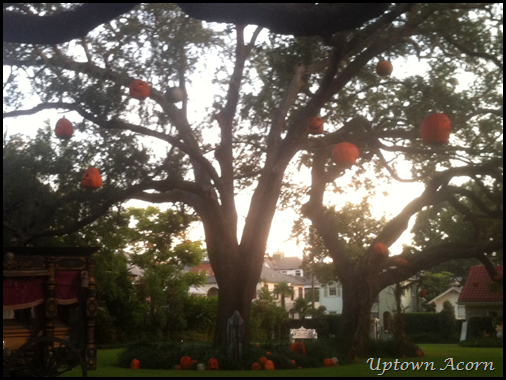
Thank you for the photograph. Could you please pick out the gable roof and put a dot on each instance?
(476, 288)
(270, 275)
(287, 263)
(452, 289)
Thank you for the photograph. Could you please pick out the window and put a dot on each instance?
(332, 290)
(461, 312)
(301, 292)
(283, 271)
(298, 272)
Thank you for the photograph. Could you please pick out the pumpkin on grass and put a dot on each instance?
(91, 178)
(185, 362)
(262, 360)
(315, 125)
(328, 362)
(269, 365)
(213, 364)
(64, 129)
(345, 154)
(139, 89)
(135, 364)
(436, 128)
(256, 366)
(384, 68)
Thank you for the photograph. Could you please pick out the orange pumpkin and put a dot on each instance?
(213, 364)
(345, 153)
(91, 178)
(422, 293)
(380, 249)
(419, 353)
(384, 68)
(315, 125)
(139, 89)
(185, 362)
(63, 129)
(262, 360)
(436, 128)
(269, 365)
(256, 366)
(298, 348)
(328, 362)
(292, 362)
(177, 367)
(401, 262)
(135, 364)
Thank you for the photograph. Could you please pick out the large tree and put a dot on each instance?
(258, 125)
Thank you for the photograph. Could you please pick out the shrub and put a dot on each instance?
(478, 326)
(446, 320)
(482, 342)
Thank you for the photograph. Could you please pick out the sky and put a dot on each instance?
(399, 194)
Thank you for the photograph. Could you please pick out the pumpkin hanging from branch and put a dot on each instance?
(64, 129)
(384, 68)
(422, 293)
(436, 128)
(380, 249)
(401, 262)
(345, 154)
(91, 178)
(315, 125)
(139, 89)
(174, 94)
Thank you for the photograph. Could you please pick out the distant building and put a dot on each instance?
(452, 295)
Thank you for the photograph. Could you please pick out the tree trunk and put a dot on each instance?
(356, 318)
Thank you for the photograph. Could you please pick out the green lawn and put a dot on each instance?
(436, 353)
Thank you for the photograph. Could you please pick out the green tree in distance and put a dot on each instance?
(255, 132)
(283, 289)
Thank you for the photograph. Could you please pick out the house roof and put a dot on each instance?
(476, 288)
(287, 263)
(452, 289)
(270, 275)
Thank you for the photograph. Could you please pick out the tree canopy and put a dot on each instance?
(254, 133)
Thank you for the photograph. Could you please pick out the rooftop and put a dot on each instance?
(477, 286)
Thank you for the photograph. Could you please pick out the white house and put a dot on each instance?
(452, 294)
(331, 296)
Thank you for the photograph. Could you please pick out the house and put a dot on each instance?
(273, 272)
(285, 265)
(478, 296)
(452, 295)
(383, 309)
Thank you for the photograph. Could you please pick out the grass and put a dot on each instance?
(436, 353)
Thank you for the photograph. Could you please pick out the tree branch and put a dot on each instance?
(62, 26)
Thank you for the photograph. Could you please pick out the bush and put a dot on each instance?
(418, 323)
(166, 355)
(479, 326)
(482, 342)
(446, 320)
